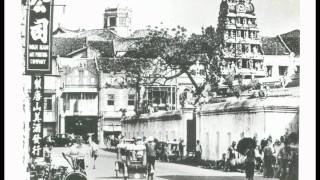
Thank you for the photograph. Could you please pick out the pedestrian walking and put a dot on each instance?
(94, 152)
(284, 157)
(181, 149)
(198, 153)
(231, 162)
(151, 155)
(50, 141)
(277, 147)
(47, 153)
(250, 163)
(258, 158)
(268, 160)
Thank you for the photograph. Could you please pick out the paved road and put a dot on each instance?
(164, 171)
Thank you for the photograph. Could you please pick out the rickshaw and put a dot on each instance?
(161, 150)
(131, 161)
(172, 151)
(77, 164)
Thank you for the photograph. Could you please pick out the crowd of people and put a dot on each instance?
(275, 159)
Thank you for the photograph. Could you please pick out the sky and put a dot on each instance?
(273, 16)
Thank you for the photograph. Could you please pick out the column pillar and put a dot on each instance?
(62, 124)
(100, 131)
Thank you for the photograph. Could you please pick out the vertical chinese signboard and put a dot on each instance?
(38, 37)
(36, 123)
(38, 63)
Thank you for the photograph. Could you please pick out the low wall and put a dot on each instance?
(165, 126)
(217, 125)
(221, 123)
(162, 125)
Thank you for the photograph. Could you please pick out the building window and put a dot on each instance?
(243, 48)
(242, 34)
(113, 21)
(245, 63)
(283, 70)
(233, 33)
(110, 99)
(48, 104)
(66, 105)
(92, 80)
(238, 33)
(297, 70)
(241, 21)
(269, 71)
(202, 72)
(131, 99)
(122, 21)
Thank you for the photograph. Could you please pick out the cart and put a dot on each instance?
(131, 161)
(172, 151)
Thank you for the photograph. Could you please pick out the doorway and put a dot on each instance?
(191, 135)
(82, 126)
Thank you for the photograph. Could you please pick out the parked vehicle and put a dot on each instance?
(61, 140)
(49, 140)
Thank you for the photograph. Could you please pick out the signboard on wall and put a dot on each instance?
(38, 37)
(36, 123)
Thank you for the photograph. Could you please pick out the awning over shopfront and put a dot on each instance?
(79, 90)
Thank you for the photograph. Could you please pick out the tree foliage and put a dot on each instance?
(164, 54)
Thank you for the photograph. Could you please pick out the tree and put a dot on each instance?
(164, 54)
(179, 53)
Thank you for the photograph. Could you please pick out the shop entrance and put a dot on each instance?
(82, 126)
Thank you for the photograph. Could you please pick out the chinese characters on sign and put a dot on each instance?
(37, 102)
(38, 44)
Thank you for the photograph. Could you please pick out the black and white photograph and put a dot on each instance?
(160, 90)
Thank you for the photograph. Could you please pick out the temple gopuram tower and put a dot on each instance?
(241, 49)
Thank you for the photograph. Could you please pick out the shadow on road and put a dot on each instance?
(111, 177)
(180, 177)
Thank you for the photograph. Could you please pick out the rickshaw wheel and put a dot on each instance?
(150, 176)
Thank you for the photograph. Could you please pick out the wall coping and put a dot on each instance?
(269, 104)
(159, 116)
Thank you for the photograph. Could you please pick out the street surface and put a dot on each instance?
(164, 171)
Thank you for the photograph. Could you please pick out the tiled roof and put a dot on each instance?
(62, 46)
(273, 46)
(92, 34)
(282, 44)
(61, 30)
(104, 47)
(123, 45)
(292, 40)
(140, 33)
(68, 41)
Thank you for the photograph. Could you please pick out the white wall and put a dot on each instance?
(281, 60)
(162, 130)
(217, 131)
